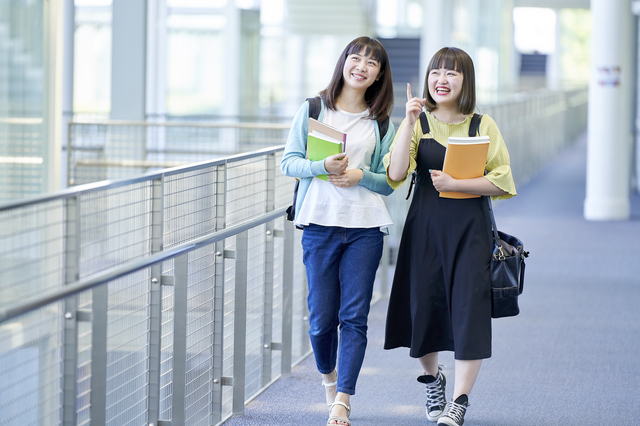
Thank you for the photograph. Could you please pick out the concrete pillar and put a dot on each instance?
(156, 83)
(232, 60)
(69, 27)
(52, 96)
(636, 11)
(128, 59)
(509, 64)
(554, 60)
(434, 34)
(610, 149)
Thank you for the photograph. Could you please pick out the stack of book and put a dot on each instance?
(324, 141)
(465, 158)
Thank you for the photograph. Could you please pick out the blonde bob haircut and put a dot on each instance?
(452, 58)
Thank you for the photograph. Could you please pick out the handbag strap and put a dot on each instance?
(496, 238)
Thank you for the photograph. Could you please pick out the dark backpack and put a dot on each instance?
(315, 105)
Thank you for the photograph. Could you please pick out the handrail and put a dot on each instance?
(271, 126)
(120, 271)
(116, 183)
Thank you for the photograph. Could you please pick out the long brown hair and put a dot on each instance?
(452, 58)
(379, 96)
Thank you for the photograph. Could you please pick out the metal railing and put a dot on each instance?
(175, 296)
(169, 298)
(100, 150)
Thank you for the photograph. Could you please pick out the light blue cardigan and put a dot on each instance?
(295, 164)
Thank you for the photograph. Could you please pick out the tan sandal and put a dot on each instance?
(337, 418)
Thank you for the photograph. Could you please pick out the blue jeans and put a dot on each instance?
(341, 267)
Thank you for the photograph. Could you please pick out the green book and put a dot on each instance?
(324, 141)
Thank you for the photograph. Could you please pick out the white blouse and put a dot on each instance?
(355, 207)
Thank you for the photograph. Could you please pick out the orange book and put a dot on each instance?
(466, 158)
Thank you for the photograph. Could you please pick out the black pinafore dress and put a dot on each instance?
(441, 294)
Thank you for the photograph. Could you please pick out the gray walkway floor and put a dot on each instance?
(572, 357)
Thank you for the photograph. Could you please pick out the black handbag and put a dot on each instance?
(507, 271)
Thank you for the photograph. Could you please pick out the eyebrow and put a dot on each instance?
(368, 57)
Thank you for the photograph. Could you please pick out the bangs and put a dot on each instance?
(447, 59)
(372, 48)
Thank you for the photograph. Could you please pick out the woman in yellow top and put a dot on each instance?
(441, 295)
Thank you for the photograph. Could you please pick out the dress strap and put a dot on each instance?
(474, 126)
(424, 123)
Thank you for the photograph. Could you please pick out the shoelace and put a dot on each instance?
(456, 411)
(435, 396)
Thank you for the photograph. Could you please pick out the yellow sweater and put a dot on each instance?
(498, 168)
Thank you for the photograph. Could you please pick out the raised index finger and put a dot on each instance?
(409, 97)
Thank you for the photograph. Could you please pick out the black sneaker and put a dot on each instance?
(436, 400)
(454, 414)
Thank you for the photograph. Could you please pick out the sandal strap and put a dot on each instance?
(329, 384)
(348, 407)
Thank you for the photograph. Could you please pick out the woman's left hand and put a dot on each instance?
(442, 182)
(347, 179)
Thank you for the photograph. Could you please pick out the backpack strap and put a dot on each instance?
(474, 126)
(314, 107)
(383, 126)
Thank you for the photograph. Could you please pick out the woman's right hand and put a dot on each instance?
(336, 164)
(414, 107)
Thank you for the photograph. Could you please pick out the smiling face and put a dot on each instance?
(360, 71)
(445, 85)
(450, 77)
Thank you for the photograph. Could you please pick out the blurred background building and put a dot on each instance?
(246, 60)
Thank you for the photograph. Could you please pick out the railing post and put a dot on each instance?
(268, 274)
(287, 299)
(155, 300)
(99, 306)
(268, 305)
(240, 323)
(70, 346)
(70, 138)
(180, 297)
(217, 327)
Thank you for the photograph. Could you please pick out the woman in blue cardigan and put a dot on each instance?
(344, 219)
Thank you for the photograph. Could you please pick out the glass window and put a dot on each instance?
(22, 152)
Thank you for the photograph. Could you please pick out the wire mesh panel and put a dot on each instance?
(31, 251)
(277, 308)
(200, 337)
(246, 189)
(30, 368)
(114, 226)
(283, 185)
(228, 326)
(128, 350)
(301, 343)
(83, 415)
(166, 349)
(255, 310)
(21, 156)
(112, 150)
(189, 205)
